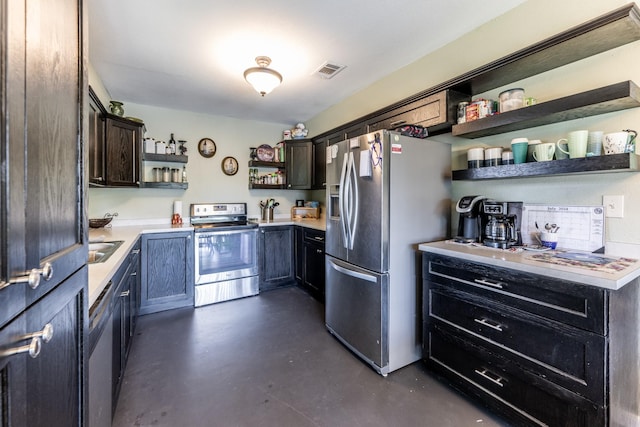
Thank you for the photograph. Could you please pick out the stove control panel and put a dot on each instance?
(213, 209)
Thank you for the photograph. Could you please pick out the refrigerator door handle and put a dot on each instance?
(356, 274)
(354, 199)
(341, 200)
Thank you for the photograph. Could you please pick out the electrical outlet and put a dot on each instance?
(613, 206)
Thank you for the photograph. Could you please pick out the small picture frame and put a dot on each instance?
(229, 165)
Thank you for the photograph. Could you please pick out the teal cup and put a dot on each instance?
(519, 148)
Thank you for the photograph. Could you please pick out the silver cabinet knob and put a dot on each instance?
(32, 278)
(33, 348)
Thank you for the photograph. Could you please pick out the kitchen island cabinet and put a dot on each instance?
(275, 256)
(166, 271)
(538, 349)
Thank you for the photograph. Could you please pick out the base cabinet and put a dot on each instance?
(166, 271)
(537, 350)
(112, 320)
(310, 265)
(275, 256)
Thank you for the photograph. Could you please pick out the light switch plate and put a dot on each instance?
(614, 206)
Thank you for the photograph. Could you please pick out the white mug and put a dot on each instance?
(576, 144)
(544, 152)
(615, 143)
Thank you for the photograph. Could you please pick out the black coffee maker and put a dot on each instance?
(469, 222)
(501, 224)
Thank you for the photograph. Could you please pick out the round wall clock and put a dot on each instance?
(229, 165)
(206, 147)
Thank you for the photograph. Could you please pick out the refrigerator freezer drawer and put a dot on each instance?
(357, 302)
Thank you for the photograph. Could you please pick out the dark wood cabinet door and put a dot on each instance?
(314, 268)
(299, 164)
(95, 139)
(122, 152)
(276, 261)
(42, 183)
(319, 165)
(42, 221)
(298, 251)
(56, 378)
(167, 279)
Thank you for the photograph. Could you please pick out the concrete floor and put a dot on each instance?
(269, 361)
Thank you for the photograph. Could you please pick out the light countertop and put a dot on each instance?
(100, 273)
(316, 224)
(524, 261)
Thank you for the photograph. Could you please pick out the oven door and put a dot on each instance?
(225, 255)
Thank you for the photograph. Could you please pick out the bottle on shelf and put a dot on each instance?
(172, 145)
(184, 174)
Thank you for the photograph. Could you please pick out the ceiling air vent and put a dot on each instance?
(328, 70)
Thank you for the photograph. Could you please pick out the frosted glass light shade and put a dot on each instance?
(263, 79)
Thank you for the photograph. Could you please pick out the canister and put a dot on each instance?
(175, 175)
(166, 175)
(462, 112)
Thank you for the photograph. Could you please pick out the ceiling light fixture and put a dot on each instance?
(263, 79)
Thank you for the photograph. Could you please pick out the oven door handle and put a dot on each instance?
(219, 232)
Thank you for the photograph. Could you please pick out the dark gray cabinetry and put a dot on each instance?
(275, 256)
(309, 257)
(166, 271)
(319, 165)
(123, 143)
(42, 224)
(299, 164)
(125, 308)
(538, 350)
(96, 141)
(436, 112)
(112, 320)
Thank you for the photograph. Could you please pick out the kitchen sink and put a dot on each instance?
(101, 251)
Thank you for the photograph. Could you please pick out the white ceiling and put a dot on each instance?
(191, 55)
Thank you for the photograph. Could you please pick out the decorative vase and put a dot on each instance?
(116, 108)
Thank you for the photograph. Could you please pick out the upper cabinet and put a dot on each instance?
(96, 139)
(603, 33)
(116, 155)
(435, 112)
(299, 164)
(123, 141)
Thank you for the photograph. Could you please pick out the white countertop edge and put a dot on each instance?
(521, 263)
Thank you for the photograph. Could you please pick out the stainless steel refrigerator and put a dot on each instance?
(386, 193)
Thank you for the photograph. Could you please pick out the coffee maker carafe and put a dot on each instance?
(501, 224)
(469, 222)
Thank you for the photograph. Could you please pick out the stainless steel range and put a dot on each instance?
(226, 259)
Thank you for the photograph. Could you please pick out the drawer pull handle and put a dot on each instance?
(489, 283)
(485, 322)
(46, 333)
(33, 348)
(486, 374)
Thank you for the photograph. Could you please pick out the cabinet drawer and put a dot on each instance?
(525, 398)
(313, 236)
(566, 355)
(568, 302)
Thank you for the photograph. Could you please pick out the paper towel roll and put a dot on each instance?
(177, 207)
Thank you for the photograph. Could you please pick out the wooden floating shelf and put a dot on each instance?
(152, 157)
(267, 186)
(166, 185)
(615, 97)
(261, 164)
(597, 164)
